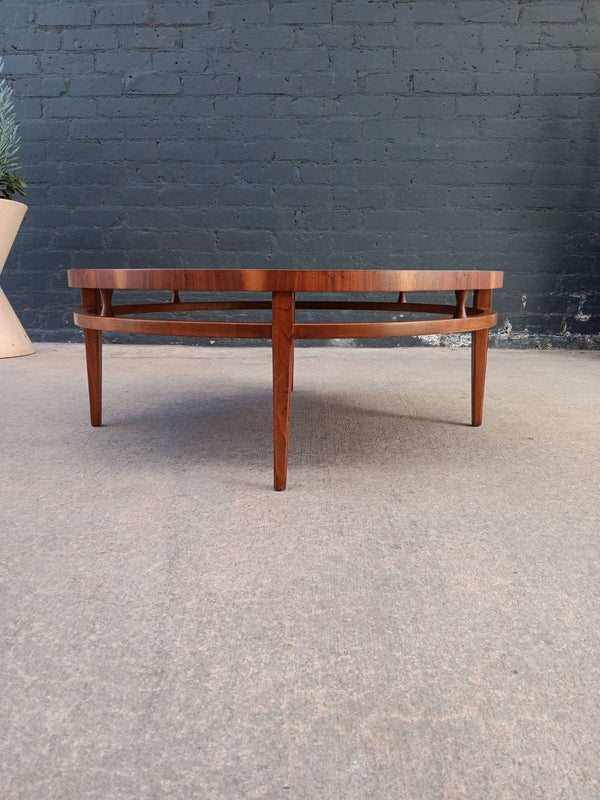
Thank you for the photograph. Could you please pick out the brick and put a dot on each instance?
(440, 13)
(195, 13)
(544, 60)
(310, 106)
(130, 106)
(16, 15)
(153, 83)
(28, 108)
(229, 61)
(302, 13)
(88, 129)
(483, 59)
(60, 63)
(420, 149)
(390, 220)
(122, 14)
(570, 36)
(69, 107)
(270, 128)
(478, 150)
(257, 241)
(178, 61)
(444, 82)
(337, 129)
(94, 85)
(240, 195)
(505, 82)
(269, 83)
(303, 150)
(187, 151)
(422, 59)
(567, 83)
(139, 37)
(360, 197)
(201, 37)
(488, 11)
(20, 65)
(299, 196)
(249, 105)
(550, 12)
(272, 37)
(387, 83)
(40, 39)
(314, 36)
(271, 174)
(262, 150)
(539, 107)
(382, 107)
(89, 39)
(509, 174)
(367, 59)
(328, 84)
(117, 62)
(64, 14)
(369, 11)
(256, 13)
(397, 36)
(445, 174)
(498, 106)
(371, 150)
(42, 87)
(296, 60)
(464, 37)
(210, 84)
(130, 151)
(435, 107)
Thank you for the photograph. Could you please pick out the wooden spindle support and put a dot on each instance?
(461, 304)
(107, 309)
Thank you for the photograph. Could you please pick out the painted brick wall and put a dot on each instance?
(418, 134)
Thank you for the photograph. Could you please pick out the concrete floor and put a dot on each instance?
(416, 617)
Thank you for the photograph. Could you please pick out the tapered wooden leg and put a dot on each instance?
(283, 357)
(479, 350)
(93, 358)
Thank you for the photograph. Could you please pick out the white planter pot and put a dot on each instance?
(13, 339)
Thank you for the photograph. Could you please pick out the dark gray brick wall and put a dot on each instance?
(355, 134)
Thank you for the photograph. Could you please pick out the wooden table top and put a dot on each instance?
(286, 280)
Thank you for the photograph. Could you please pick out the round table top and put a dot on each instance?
(286, 280)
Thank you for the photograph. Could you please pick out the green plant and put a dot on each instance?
(10, 183)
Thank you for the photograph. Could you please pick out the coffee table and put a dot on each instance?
(98, 313)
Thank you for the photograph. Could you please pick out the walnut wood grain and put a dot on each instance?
(479, 351)
(90, 298)
(332, 305)
(174, 327)
(374, 330)
(283, 353)
(282, 280)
